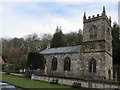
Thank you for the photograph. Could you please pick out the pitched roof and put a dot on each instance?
(62, 50)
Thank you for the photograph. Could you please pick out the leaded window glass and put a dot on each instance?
(67, 63)
(92, 66)
(54, 64)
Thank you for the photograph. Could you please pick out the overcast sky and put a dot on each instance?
(18, 19)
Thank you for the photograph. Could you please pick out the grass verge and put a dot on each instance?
(27, 83)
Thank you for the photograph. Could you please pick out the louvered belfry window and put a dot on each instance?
(93, 32)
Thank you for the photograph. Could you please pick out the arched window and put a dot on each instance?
(109, 73)
(54, 64)
(93, 32)
(92, 66)
(67, 63)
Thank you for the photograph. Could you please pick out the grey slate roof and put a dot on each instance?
(62, 50)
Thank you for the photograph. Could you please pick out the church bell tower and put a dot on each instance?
(97, 46)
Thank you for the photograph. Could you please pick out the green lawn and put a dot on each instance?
(27, 83)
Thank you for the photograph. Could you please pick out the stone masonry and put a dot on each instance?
(91, 60)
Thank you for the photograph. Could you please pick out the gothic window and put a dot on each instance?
(67, 63)
(109, 73)
(93, 32)
(92, 66)
(54, 64)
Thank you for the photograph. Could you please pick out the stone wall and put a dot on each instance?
(74, 67)
(84, 84)
(108, 66)
(79, 67)
(100, 65)
(100, 30)
(99, 47)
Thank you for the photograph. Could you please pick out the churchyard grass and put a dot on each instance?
(27, 83)
(31, 84)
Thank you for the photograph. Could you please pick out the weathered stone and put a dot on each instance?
(97, 47)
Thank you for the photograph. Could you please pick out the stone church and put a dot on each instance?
(91, 60)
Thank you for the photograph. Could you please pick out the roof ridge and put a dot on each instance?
(60, 50)
(63, 47)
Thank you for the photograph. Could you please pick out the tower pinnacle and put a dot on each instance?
(103, 9)
(103, 12)
(84, 17)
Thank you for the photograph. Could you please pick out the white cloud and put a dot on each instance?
(17, 25)
(17, 22)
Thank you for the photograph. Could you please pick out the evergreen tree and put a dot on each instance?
(74, 38)
(116, 49)
(35, 60)
(80, 37)
(116, 44)
(58, 39)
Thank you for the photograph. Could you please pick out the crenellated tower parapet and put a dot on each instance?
(97, 17)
